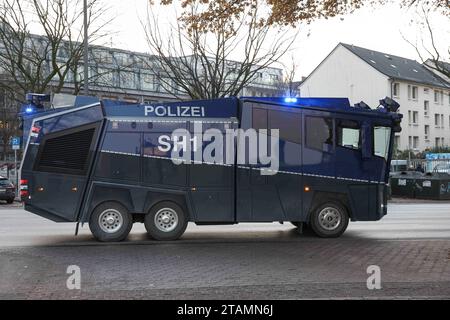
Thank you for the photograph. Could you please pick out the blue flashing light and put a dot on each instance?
(290, 100)
(29, 110)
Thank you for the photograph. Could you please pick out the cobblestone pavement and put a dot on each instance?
(250, 262)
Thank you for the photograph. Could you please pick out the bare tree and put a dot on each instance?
(9, 122)
(39, 63)
(427, 46)
(45, 62)
(288, 86)
(198, 63)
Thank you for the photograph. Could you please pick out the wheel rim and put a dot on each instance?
(110, 221)
(330, 218)
(166, 219)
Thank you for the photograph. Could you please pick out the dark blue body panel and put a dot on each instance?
(125, 163)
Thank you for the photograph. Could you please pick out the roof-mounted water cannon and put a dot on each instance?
(362, 105)
(390, 104)
(34, 102)
(37, 99)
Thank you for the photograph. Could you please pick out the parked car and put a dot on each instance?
(7, 190)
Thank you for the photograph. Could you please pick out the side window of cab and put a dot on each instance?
(348, 134)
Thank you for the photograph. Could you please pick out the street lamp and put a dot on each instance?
(86, 48)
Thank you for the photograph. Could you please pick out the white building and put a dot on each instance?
(365, 75)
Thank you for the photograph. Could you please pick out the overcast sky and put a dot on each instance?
(379, 29)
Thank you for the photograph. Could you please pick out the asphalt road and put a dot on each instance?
(411, 246)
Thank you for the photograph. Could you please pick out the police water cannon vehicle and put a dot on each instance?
(318, 162)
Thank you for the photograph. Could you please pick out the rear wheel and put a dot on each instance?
(166, 221)
(329, 220)
(110, 222)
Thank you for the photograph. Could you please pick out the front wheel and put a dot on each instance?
(166, 221)
(329, 220)
(110, 222)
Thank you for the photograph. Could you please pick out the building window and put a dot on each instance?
(426, 107)
(415, 118)
(436, 119)
(426, 90)
(274, 77)
(396, 89)
(427, 131)
(397, 142)
(413, 92)
(415, 142)
(147, 82)
(438, 97)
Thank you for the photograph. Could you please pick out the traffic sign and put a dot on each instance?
(15, 142)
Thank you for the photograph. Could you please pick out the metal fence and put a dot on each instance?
(441, 165)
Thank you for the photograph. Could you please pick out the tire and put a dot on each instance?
(329, 220)
(9, 201)
(166, 221)
(110, 222)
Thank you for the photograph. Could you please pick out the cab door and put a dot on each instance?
(277, 196)
(349, 160)
(318, 149)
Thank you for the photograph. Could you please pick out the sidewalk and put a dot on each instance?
(397, 200)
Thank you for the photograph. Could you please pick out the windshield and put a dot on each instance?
(382, 136)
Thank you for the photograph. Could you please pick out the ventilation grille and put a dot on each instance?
(68, 151)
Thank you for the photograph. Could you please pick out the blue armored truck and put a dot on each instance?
(315, 162)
